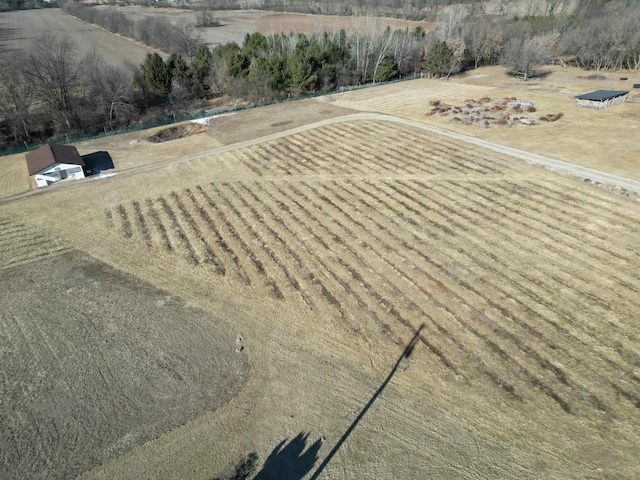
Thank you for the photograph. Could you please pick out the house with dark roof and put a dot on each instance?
(52, 163)
(601, 98)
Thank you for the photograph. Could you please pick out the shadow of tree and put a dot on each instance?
(290, 461)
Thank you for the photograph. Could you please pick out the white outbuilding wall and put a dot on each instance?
(57, 172)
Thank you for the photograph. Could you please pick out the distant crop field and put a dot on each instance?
(19, 28)
(235, 24)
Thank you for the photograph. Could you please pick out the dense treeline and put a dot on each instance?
(52, 92)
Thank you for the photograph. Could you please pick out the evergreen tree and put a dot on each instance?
(157, 73)
(438, 60)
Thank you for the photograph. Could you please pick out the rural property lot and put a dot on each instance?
(18, 28)
(605, 140)
(326, 249)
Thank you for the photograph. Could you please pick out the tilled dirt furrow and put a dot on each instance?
(564, 272)
(530, 375)
(574, 220)
(447, 155)
(34, 256)
(28, 244)
(204, 252)
(209, 215)
(406, 303)
(141, 223)
(248, 160)
(26, 236)
(241, 231)
(333, 159)
(403, 306)
(278, 159)
(333, 288)
(550, 342)
(364, 151)
(487, 337)
(309, 153)
(16, 231)
(576, 198)
(487, 162)
(585, 254)
(182, 243)
(263, 211)
(296, 154)
(551, 314)
(158, 232)
(445, 321)
(345, 274)
(272, 245)
(122, 218)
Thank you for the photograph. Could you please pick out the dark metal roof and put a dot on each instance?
(602, 95)
(47, 155)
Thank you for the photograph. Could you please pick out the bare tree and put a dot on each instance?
(504, 7)
(205, 18)
(53, 72)
(15, 101)
(483, 41)
(522, 55)
(185, 40)
(385, 45)
(109, 93)
(362, 46)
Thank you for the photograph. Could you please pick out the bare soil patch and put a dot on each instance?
(178, 131)
(258, 122)
(96, 361)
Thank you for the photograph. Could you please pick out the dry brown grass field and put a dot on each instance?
(321, 252)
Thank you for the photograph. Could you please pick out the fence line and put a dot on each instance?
(192, 116)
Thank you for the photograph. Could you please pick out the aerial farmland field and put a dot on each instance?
(19, 28)
(320, 252)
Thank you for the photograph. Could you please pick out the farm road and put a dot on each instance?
(531, 158)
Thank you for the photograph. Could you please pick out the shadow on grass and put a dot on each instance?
(290, 461)
(405, 355)
(293, 460)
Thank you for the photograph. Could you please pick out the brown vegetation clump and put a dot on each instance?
(488, 113)
(551, 117)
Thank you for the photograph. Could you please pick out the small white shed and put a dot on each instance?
(52, 163)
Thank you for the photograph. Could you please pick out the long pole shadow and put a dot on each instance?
(405, 354)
